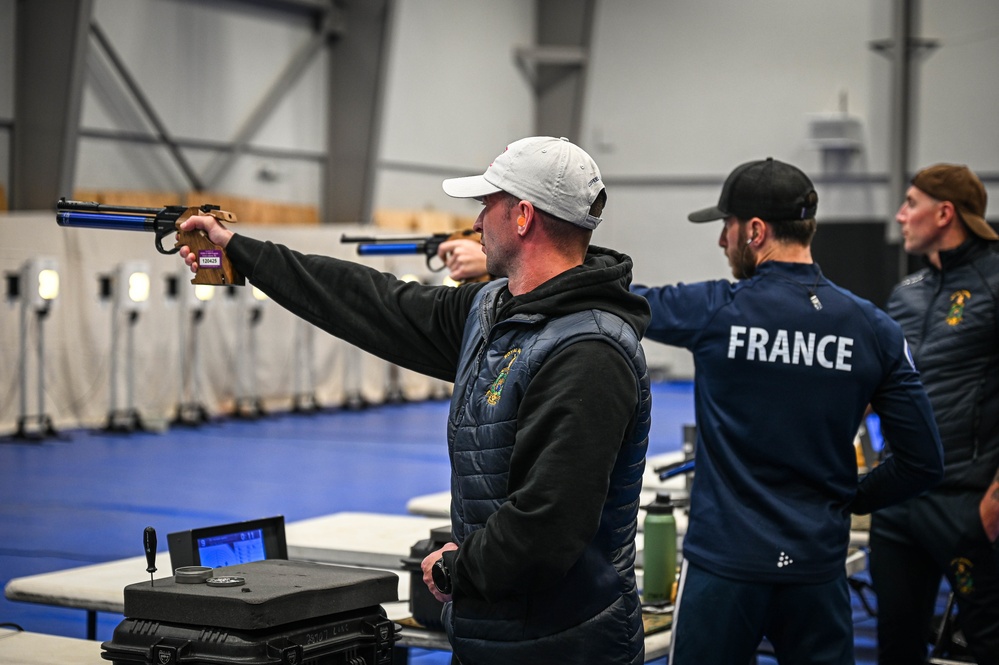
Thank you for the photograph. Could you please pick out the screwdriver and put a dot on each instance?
(149, 544)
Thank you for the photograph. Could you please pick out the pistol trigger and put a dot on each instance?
(159, 243)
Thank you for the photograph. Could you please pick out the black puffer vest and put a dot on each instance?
(598, 597)
(950, 318)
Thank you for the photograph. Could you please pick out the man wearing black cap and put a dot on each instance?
(949, 312)
(550, 413)
(786, 363)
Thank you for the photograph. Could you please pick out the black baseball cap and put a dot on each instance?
(768, 189)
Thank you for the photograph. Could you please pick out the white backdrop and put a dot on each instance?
(677, 93)
(77, 331)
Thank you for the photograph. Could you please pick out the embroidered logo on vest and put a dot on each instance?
(957, 301)
(496, 388)
(965, 583)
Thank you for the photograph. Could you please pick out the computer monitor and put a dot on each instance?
(229, 544)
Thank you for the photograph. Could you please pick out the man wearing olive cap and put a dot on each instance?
(786, 363)
(949, 312)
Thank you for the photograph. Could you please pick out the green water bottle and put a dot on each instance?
(659, 557)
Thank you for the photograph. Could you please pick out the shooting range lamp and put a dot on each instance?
(248, 403)
(204, 292)
(394, 392)
(36, 286)
(190, 410)
(48, 286)
(138, 289)
(192, 299)
(128, 289)
(304, 399)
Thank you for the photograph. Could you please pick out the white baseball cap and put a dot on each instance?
(555, 175)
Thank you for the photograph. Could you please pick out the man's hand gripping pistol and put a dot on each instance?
(213, 264)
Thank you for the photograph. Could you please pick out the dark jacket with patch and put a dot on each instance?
(588, 612)
(556, 536)
(950, 318)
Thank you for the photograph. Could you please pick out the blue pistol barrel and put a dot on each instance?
(677, 469)
(105, 220)
(390, 248)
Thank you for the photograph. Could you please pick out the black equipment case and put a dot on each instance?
(425, 608)
(283, 613)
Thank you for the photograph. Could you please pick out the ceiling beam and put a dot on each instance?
(50, 50)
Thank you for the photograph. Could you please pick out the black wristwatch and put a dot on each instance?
(442, 577)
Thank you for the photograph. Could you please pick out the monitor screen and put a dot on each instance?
(230, 549)
(229, 544)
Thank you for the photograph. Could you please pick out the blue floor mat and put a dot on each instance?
(86, 497)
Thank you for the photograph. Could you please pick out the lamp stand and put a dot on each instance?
(38, 426)
(190, 412)
(125, 419)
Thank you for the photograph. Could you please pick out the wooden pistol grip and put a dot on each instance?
(214, 266)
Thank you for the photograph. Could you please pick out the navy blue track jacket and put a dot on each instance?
(781, 386)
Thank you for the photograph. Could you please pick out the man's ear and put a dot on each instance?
(946, 212)
(525, 216)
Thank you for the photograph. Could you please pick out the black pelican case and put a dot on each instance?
(285, 612)
(425, 608)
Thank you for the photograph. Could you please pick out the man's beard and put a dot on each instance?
(743, 263)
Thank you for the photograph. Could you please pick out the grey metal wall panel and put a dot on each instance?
(51, 43)
(356, 78)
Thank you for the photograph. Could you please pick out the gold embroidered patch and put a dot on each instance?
(965, 583)
(496, 388)
(957, 301)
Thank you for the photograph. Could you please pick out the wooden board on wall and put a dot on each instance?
(257, 211)
(138, 199)
(248, 211)
(420, 221)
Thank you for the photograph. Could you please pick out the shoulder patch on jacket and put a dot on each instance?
(913, 279)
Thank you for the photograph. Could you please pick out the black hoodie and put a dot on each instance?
(420, 328)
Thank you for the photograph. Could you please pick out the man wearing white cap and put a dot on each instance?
(550, 412)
